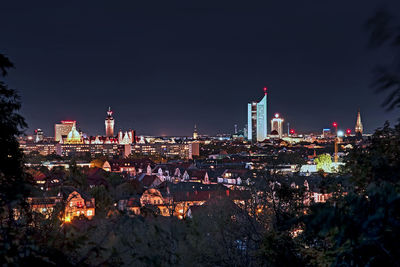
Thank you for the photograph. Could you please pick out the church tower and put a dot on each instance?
(359, 126)
(195, 132)
(109, 123)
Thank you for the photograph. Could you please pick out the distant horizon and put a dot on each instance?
(30, 130)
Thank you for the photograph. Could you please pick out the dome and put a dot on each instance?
(73, 137)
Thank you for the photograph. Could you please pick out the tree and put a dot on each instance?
(324, 162)
(385, 32)
(361, 227)
(103, 200)
(14, 185)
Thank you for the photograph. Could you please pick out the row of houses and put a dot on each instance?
(177, 199)
(169, 189)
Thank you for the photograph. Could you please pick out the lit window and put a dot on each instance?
(89, 213)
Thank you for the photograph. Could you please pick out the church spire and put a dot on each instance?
(359, 126)
(195, 132)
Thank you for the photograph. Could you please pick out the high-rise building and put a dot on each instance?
(61, 130)
(276, 125)
(38, 136)
(257, 119)
(359, 126)
(109, 123)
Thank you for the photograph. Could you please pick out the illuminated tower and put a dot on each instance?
(195, 132)
(257, 119)
(276, 125)
(359, 126)
(109, 123)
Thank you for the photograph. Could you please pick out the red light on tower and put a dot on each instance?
(292, 131)
(334, 124)
(348, 131)
(265, 90)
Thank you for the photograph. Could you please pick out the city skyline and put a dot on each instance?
(161, 74)
(280, 127)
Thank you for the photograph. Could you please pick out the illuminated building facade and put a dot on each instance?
(359, 126)
(257, 119)
(61, 130)
(38, 136)
(276, 125)
(185, 150)
(128, 137)
(93, 150)
(43, 148)
(109, 123)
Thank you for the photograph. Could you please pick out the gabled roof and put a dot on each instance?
(67, 190)
(150, 180)
(133, 201)
(197, 174)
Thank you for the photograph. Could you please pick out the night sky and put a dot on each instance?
(169, 65)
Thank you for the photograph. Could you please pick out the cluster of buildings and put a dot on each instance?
(168, 189)
(69, 141)
(257, 122)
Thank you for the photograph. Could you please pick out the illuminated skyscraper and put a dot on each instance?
(359, 126)
(109, 123)
(276, 125)
(257, 119)
(62, 129)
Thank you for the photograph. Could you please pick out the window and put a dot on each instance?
(89, 213)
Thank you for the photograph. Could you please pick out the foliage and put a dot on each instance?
(385, 32)
(14, 183)
(103, 200)
(362, 227)
(324, 162)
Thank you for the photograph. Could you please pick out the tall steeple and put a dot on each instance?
(359, 126)
(109, 123)
(195, 132)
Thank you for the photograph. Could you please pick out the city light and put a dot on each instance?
(334, 124)
(348, 131)
(340, 133)
(292, 131)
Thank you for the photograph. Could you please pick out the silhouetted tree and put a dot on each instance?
(385, 32)
(14, 185)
